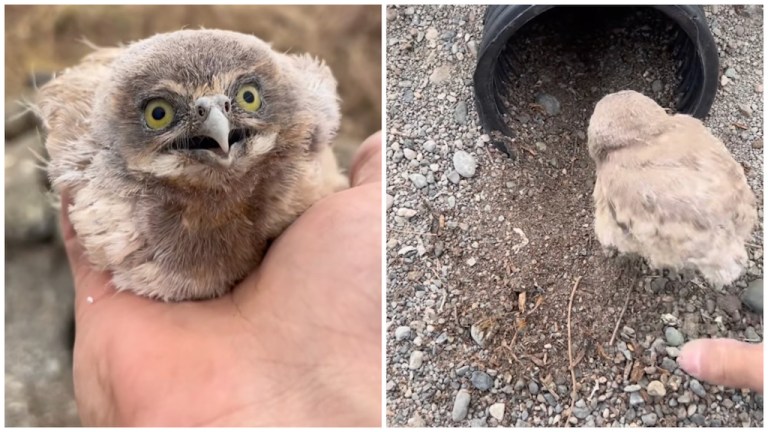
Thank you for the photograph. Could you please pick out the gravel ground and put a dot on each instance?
(483, 251)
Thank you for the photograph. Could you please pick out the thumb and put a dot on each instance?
(366, 164)
(724, 362)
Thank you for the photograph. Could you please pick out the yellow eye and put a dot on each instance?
(248, 98)
(158, 114)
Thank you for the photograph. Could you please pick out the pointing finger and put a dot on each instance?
(724, 362)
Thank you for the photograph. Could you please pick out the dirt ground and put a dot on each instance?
(41, 40)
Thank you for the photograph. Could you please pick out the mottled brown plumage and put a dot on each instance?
(186, 210)
(668, 190)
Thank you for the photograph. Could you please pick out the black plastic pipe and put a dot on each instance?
(697, 74)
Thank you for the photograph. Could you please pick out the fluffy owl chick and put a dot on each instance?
(667, 189)
(186, 153)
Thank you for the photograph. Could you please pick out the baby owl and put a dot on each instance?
(184, 154)
(668, 190)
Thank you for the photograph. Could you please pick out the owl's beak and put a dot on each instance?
(216, 126)
(212, 111)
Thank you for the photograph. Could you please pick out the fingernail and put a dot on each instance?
(690, 358)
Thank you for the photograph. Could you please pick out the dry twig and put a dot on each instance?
(570, 345)
(621, 315)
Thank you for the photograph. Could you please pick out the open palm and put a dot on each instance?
(297, 343)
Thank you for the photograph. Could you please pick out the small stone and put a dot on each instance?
(550, 103)
(632, 388)
(731, 73)
(745, 109)
(461, 405)
(533, 388)
(697, 388)
(753, 295)
(409, 154)
(729, 303)
(429, 146)
(668, 364)
(657, 86)
(481, 380)
(460, 113)
(649, 419)
(724, 81)
(417, 359)
(431, 34)
(406, 213)
(635, 399)
(471, 262)
(416, 421)
(757, 144)
(581, 412)
(497, 411)
(464, 163)
(540, 146)
(440, 75)
(454, 177)
(739, 30)
(390, 201)
(418, 180)
(656, 389)
(673, 352)
(673, 336)
(751, 335)
(478, 423)
(402, 333)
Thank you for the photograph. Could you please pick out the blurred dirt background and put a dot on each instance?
(41, 40)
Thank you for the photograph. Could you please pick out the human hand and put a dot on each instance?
(297, 343)
(724, 362)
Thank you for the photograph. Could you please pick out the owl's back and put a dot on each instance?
(679, 200)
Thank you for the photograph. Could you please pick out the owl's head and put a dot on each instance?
(207, 108)
(623, 119)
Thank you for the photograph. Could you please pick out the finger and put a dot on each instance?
(366, 164)
(89, 283)
(724, 362)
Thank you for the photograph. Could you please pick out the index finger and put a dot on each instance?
(724, 362)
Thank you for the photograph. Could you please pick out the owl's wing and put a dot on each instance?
(64, 105)
(680, 195)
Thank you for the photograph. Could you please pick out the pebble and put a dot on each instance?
(497, 411)
(418, 180)
(697, 388)
(409, 154)
(673, 352)
(390, 201)
(656, 86)
(757, 144)
(461, 405)
(656, 388)
(668, 364)
(454, 177)
(673, 336)
(580, 410)
(429, 146)
(533, 388)
(481, 380)
(745, 109)
(416, 421)
(753, 295)
(635, 399)
(417, 358)
(632, 388)
(464, 164)
(751, 335)
(460, 113)
(649, 419)
(406, 213)
(550, 103)
(402, 333)
(440, 75)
